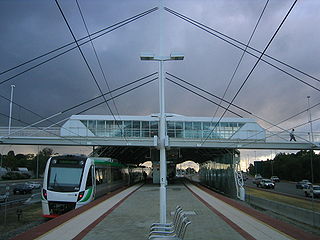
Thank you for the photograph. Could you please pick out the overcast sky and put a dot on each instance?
(31, 28)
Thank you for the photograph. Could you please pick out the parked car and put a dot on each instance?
(22, 189)
(266, 183)
(303, 184)
(312, 190)
(34, 185)
(3, 197)
(275, 179)
(257, 179)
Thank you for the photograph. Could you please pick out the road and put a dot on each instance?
(281, 187)
(11, 185)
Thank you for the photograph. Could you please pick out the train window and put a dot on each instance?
(89, 179)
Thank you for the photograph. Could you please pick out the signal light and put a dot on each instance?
(81, 194)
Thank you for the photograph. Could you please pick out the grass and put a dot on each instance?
(301, 203)
(31, 216)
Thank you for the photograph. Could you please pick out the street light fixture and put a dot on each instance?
(162, 128)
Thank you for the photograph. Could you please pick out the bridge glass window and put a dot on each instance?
(118, 129)
(170, 129)
(179, 129)
(128, 128)
(92, 126)
(101, 128)
(109, 128)
(136, 129)
(153, 128)
(196, 129)
(188, 130)
(145, 131)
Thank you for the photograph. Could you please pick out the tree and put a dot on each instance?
(41, 159)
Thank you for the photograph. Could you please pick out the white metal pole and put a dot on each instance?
(11, 98)
(309, 110)
(162, 135)
(162, 126)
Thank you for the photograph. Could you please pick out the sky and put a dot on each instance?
(34, 27)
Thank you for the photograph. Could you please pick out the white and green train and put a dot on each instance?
(71, 181)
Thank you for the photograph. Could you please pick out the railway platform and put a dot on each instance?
(128, 214)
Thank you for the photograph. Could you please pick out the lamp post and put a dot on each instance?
(162, 128)
(309, 110)
(10, 114)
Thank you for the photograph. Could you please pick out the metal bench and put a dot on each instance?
(168, 226)
(177, 234)
(174, 230)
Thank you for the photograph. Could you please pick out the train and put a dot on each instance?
(72, 181)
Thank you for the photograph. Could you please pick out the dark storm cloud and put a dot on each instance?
(30, 28)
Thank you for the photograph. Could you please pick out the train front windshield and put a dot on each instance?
(65, 175)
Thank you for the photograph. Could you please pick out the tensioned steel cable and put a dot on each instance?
(80, 44)
(89, 68)
(38, 128)
(238, 107)
(98, 60)
(263, 60)
(188, 89)
(241, 58)
(77, 105)
(254, 66)
(124, 22)
(211, 94)
(288, 130)
(202, 26)
(285, 120)
(98, 104)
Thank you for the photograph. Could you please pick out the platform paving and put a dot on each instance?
(132, 219)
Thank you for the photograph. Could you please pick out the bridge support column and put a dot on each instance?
(155, 166)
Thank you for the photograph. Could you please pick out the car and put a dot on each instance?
(257, 179)
(34, 185)
(275, 179)
(312, 191)
(3, 197)
(22, 188)
(303, 184)
(266, 183)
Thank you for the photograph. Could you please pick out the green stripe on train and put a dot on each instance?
(87, 196)
(103, 162)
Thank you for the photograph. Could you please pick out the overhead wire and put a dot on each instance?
(89, 68)
(114, 27)
(234, 105)
(79, 104)
(241, 58)
(96, 55)
(251, 71)
(188, 89)
(285, 120)
(115, 96)
(71, 140)
(233, 44)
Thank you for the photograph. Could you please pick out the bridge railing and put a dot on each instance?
(247, 135)
(285, 137)
(30, 132)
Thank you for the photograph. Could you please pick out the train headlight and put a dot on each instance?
(45, 194)
(80, 196)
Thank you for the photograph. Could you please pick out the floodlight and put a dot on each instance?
(147, 56)
(176, 56)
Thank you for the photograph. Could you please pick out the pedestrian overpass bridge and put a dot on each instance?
(207, 141)
(142, 131)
